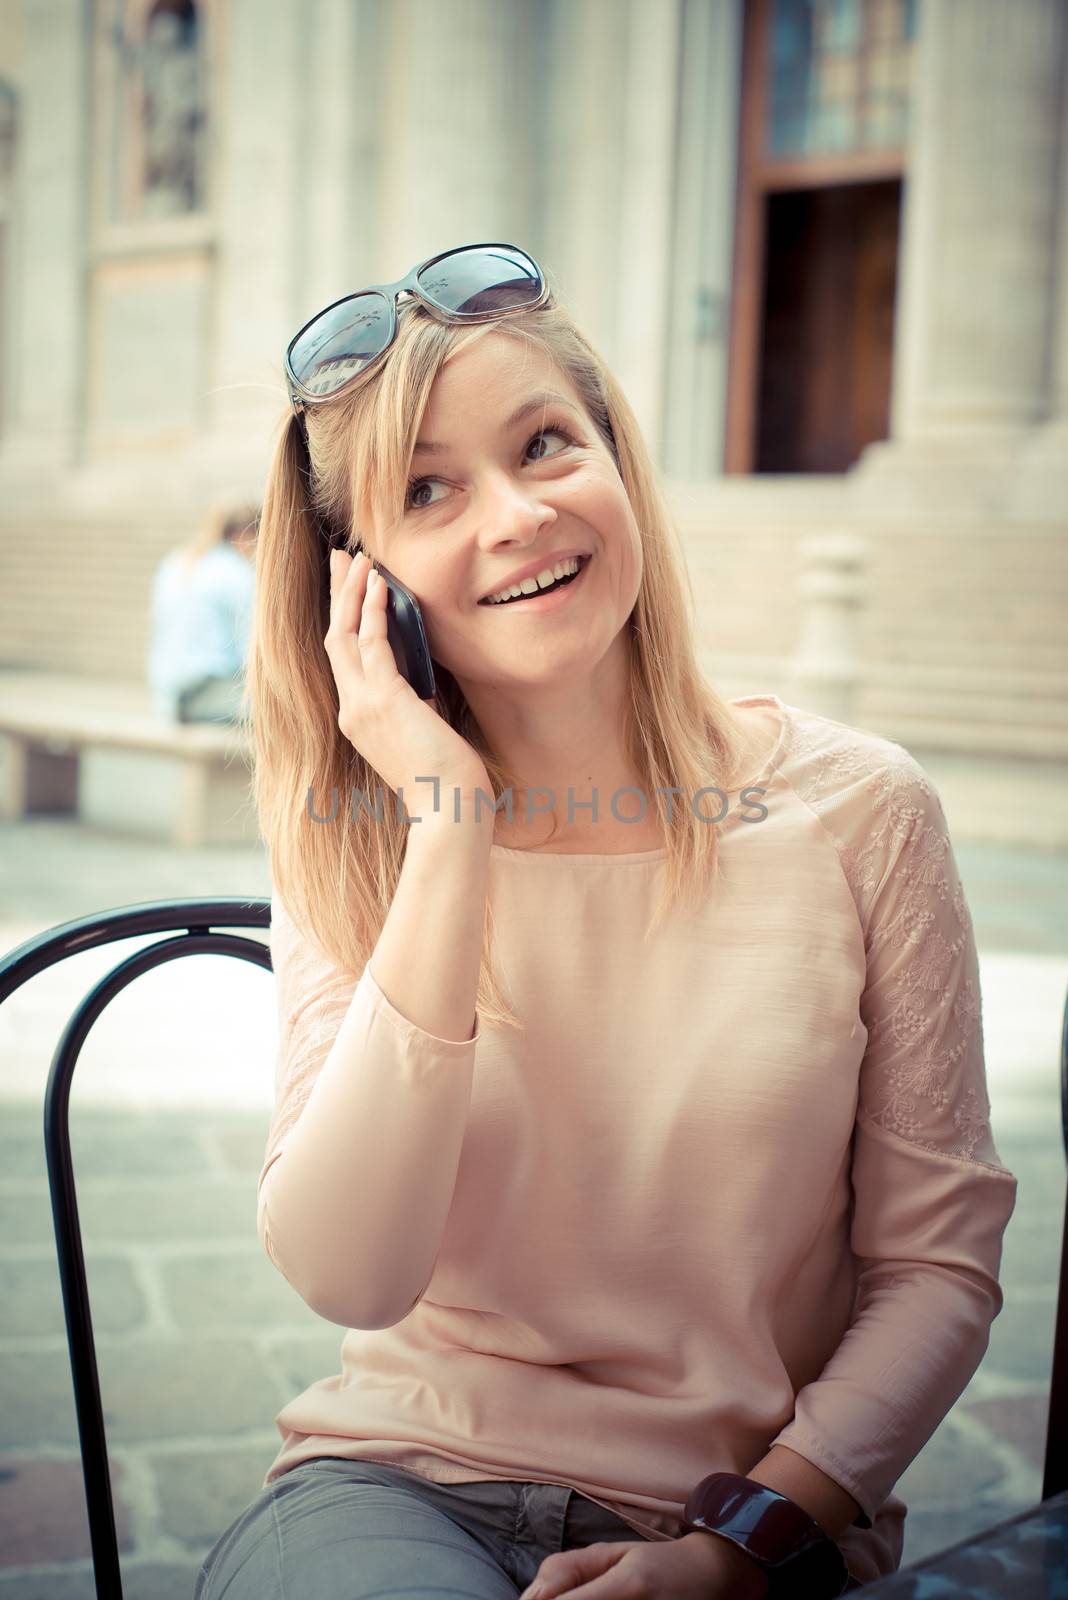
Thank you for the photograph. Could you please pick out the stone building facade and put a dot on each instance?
(865, 441)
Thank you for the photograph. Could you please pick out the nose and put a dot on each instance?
(511, 512)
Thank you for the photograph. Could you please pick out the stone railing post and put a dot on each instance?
(825, 671)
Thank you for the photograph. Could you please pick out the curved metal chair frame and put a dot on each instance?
(196, 919)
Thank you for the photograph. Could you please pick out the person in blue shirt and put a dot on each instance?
(201, 616)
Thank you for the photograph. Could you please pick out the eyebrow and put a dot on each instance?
(536, 402)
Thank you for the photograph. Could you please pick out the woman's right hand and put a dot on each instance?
(402, 737)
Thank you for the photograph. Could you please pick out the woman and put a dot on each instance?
(201, 612)
(646, 1163)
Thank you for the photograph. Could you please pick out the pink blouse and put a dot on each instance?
(730, 1188)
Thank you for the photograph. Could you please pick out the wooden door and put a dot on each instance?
(823, 389)
(824, 115)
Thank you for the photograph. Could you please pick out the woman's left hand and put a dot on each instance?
(699, 1566)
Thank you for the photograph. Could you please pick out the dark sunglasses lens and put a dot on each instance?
(482, 280)
(341, 342)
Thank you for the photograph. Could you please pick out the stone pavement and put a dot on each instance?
(200, 1340)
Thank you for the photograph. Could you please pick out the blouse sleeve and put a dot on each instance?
(365, 1138)
(932, 1198)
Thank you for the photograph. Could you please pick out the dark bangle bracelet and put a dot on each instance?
(797, 1555)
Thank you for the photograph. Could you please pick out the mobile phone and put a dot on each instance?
(406, 634)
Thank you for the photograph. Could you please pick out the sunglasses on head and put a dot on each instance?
(475, 283)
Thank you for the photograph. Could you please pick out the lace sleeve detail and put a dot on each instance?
(931, 1197)
(313, 996)
(923, 1076)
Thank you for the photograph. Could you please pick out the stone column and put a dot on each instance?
(611, 107)
(643, 256)
(459, 126)
(695, 392)
(1058, 408)
(44, 413)
(1040, 491)
(585, 112)
(981, 198)
(300, 168)
(825, 671)
(262, 152)
(977, 276)
(337, 168)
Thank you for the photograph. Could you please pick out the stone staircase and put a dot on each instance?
(74, 590)
(963, 641)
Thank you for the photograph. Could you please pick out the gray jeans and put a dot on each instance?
(334, 1529)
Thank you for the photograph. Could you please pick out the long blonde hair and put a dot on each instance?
(338, 880)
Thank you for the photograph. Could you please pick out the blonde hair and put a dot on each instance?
(339, 881)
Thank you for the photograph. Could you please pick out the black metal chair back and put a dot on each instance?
(195, 919)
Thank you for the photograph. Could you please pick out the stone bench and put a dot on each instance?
(97, 750)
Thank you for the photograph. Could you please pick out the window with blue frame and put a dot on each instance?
(838, 76)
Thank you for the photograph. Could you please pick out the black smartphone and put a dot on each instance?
(406, 634)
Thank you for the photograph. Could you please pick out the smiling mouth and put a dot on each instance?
(550, 588)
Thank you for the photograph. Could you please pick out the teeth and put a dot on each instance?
(544, 578)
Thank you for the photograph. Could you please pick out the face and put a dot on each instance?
(499, 495)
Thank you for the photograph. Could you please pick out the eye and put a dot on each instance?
(415, 485)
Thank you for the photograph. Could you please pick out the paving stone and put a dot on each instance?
(1041, 1173)
(159, 1581)
(43, 1515)
(37, 1399)
(1017, 896)
(949, 1470)
(140, 1581)
(26, 1216)
(303, 1361)
(172, 1389)
(1045, 1213)
(22, 1152)
(151, 1389)
(51, 1584)
(929, 1532)
(1021, 1420)
(31, 1298)
(179, 1209)
(111, 1147)
(142, 1148)
(243, 1148)
(200, 1495)
(22, 1119)
(1021, 1338)
(1030, 1256)
(234, 1290)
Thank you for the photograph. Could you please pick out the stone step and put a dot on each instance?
(964, 713)
(899, 632)
(941, 731)
(1016, 658)
(1044, 718)
(979, 688)
(966, 620)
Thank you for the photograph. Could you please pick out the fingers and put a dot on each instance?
(376, 653)
(348, 577)
(565, 1570)
(357, 640)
